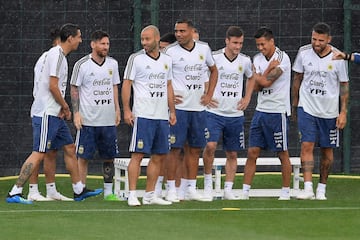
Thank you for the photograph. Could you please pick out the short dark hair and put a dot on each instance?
(98, 35)
(54, 33)
(321, 28)
(234, 31)
(67, 30)
(187, 21)
(264, 32)
(168, 37)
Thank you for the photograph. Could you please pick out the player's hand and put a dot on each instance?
(213, 103)
(117, 117)
(273, 64)
(65, 112)
(337, 55)
(77, 120)
(243, 104)
(178, 99)
(341, 120)
(205, 100)
(172, 119)
(129, 118)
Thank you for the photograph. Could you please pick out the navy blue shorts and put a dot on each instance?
(269, 131)
(103, 139)
(230, 128)
(50, 133)
(150, 136)
(190, 127)
(320, 130)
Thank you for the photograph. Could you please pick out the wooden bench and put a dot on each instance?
(121, 176)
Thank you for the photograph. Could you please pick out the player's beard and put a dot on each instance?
(102, 54)
(150, 47)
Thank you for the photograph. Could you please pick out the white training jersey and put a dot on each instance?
(149, 78)
(188, 69)
(276, 98)
(52, 63)
(229, 87)
(320, 88)
(96, 90)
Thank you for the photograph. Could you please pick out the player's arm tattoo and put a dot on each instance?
(307, 166)
(25, 174)
(75, 101)
(274, 74)
(344, 96)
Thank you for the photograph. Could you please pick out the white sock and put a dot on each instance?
(246, 188)
(183, 184)
(285, 191)
(321, 187)
(33, 188)
(171, 185)
(132, 193)
(15, 190)
(191, 184)
(228, 186)
(308, 186)
(208, 181)
(78, 187)
(149, 194)
(108, 189)
(158, 185)
(51, 188)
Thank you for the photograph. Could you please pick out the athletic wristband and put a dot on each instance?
(347, 56)
(357, 58)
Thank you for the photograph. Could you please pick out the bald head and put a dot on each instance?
(153, 29)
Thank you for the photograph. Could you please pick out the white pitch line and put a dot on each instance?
(140, 209)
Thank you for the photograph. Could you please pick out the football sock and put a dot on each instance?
(308, 186)
(246, 188)
(228, 186)
(78, 187)
(171, 185)
(15, 190)
(33, 188)
(51, 188)
(108, 189)
(321, 187)
(208, 180)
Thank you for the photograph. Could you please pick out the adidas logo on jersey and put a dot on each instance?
(309, 64)
(221, 68)
(181, 60)
(148, 67)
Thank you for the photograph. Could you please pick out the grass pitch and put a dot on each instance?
(258, 218)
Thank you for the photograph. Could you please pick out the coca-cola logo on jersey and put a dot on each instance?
(156, 76)
(191, 68)
(229, 76)
(102, 82)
